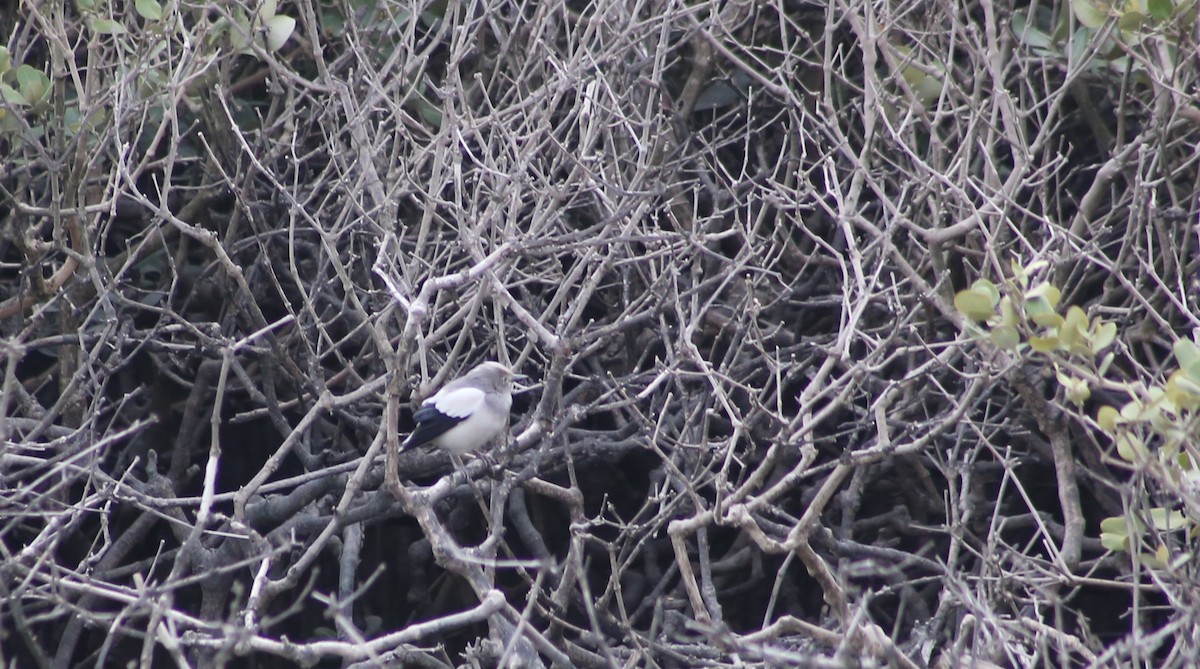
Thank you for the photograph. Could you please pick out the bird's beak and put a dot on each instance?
(521, 387)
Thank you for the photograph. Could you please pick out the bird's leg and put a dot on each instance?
(459, 466)
(494, 461)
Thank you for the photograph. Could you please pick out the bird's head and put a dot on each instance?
(494, 377)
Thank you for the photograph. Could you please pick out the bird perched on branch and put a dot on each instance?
(466, 413)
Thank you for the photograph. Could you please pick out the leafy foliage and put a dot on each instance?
(1024, 320)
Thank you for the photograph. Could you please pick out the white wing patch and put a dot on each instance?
(459, 402)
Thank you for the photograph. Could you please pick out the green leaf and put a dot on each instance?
(332, 22)
(1160, 9)
(1107, 418)
(1115, 542)
(1005, 336)
(437, 8)
(1071, 331)
(1132, 20)
(1115, 525)
(430, 113)
(1114, 533)
(1090, 13)
(1186, 383)
(1029, 35)
(1102, 335)
(1037, 265)
(973, 305)
(107, 27)
(1077, 389)
(279, 29)
(1041, 317)
(1166, 519)
(1019, 272)
(148, 9)
(33, 84)
(1078, 44)
(1131, 448)
(1132, 411)
(1182, 391)
(5, 60)
(985, 287)
(1155, 394)
(237, 28)
(1044, 344)
(1008, 315)
(1186, 353)
(1159, 559)
(925, 87)
(72, 120)
(11, 96)
(1040, 303)
(1046, 291)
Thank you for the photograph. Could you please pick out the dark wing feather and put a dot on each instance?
(431, 424)
(448, 407)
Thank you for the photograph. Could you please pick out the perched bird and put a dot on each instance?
(466, 413)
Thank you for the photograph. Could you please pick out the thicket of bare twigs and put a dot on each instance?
(725, 241)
